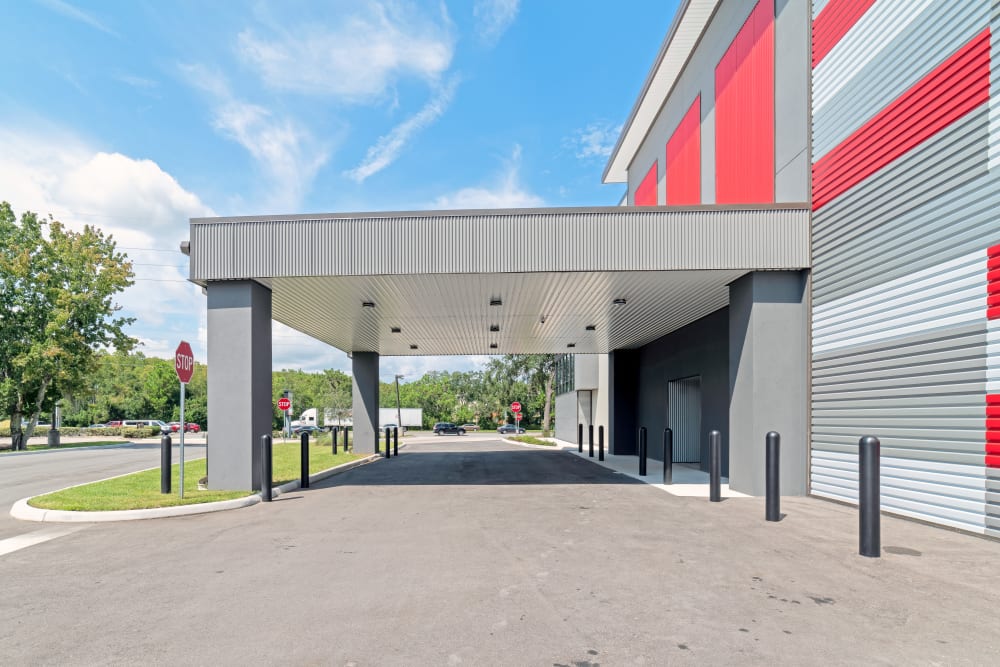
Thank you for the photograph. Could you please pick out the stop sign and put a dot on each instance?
(184, 362)
(515, 406)
(284, 404)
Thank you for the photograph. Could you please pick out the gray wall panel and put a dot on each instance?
(901, 345)
(699, 349)
(566, 416)
(605, 239)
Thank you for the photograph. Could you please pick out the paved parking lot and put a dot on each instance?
(472, 551)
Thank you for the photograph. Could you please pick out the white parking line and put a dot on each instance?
(18, 542)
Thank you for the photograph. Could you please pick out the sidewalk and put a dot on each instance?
(688, 481)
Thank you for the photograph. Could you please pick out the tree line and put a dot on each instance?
(130, 385)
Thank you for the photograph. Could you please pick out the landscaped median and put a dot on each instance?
(137, 495)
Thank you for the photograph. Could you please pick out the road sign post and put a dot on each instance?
(515, 407)
(184, 366)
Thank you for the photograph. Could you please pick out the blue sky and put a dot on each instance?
(136, 116)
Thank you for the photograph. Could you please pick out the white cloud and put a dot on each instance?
(507, 192)
(388, 147)
(596, 140)
(284, 151)
(71, 12)
(144, 208)
(493, 17)
(357, 59)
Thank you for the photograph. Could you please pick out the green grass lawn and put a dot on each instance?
(141, 490)
(531, 440)
(287, 460)
(71, 445)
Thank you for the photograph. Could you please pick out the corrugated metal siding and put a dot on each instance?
(900, 338)
(548, 240)
(684, 408)
(744, 113)
(566, 416)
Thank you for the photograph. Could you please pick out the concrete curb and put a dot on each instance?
(22, 510)
(25, 512)
(554, 447)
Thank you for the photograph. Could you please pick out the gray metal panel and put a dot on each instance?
(900, 342)
(566, 416)
(606, 239)
(933, 35)
(684, 406)
(928, 207)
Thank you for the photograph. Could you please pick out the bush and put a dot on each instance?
(128, 432)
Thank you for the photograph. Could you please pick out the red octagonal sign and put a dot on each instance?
(515, 406)
(284, 404)
(184, 362)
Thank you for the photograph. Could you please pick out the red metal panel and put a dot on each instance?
(645, 194)
(993, 283)
(957, 86)
(684, 159)
(744, 113)
(992, 430)
(836, 19)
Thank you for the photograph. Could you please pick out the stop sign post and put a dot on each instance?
(184, 366)
(515, 407)
(284, 404)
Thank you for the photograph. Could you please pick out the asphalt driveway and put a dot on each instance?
(472, 551)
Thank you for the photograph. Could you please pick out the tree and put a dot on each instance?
(57, 310)
(535, 372)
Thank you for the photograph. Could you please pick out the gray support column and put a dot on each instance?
(365, 405)
(239, 381)
(623, 382)
(768, 378)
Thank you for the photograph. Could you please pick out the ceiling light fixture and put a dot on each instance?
(493, 346)
(413, 347)
(571, 345)
(395, 330)
(541, 319)
(367, 304)
(591, 327)
(494, 327)
(495, 301)
(619, 302)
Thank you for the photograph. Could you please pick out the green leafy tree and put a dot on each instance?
(533, 374)
(57, 310)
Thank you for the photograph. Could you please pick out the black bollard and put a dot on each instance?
(388, 452)
(869, 501)
(166, 454)
(346, 441)
(772, 477)
(668, 456)
(590, 438)
(304, 473)
(642, 451)
(715, 466)
(265, 468)
(600, 443)
(395, 441)
(579, 438)
(334, 434)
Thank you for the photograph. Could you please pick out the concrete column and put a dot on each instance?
(239, 382)
(365, 405)
(623, 385)
(768, 378)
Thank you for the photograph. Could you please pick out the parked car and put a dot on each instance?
(402, 429)
(470, 427)
(191, 427)
(447, 428)
(98, 426)
(114, 423)
(510, 428)
(306, 428)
